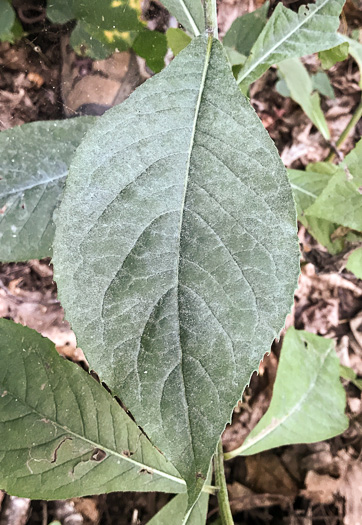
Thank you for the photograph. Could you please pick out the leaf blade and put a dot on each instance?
(189, 13)
(288, 34)
(300, 87)
(31, 184)
(307, 186)
(299, 399)
(177, 146)
(341, 199)
(59, 444)
(245, 30)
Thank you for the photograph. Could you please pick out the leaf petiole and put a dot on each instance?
(211, 17)
(222, 494)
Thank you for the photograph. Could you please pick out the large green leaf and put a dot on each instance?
(176, 252)
(300, 87)
(341, 199)
(288, 34)
(189, 13)
(308, 402)
(34, 163)
(245, 30)
(61, 433)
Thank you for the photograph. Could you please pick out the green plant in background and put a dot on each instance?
(104, 27)
(328, 197)
(176, 259)
(10, 27)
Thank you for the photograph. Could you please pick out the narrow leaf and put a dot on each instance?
(176, 252)
(189, 13)
(308, 400)
(300, 87)
(62, 434)
(245, 30)
(34, 165)
(288, 34)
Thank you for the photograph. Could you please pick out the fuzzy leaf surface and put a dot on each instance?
(308, 402)
(189, 13)
(176, 252)
(288, 34)
(34, 164)
(62, 434)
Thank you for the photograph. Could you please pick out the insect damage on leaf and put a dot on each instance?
(98, 455)
(55, 454)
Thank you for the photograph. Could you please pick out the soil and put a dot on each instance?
(303, 484)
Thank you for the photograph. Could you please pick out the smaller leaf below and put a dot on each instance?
(62, 434)
(308, 400)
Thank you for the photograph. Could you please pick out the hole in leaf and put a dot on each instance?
(98, 455)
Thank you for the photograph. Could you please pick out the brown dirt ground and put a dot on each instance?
(300, 485)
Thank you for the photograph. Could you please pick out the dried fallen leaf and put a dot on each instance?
(320, 488)
(266, 474)
(241, 498)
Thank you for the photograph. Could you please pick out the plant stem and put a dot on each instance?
(220, 481)
(211, 17)
(351, 124)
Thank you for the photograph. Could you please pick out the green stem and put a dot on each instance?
(211, 17)
(220, 481)
(351, 124)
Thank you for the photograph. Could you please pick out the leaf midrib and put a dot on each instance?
(244, 74)
(272, 428)
(43, 182)
(94, 444)
(302, 190)
(182, 211)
